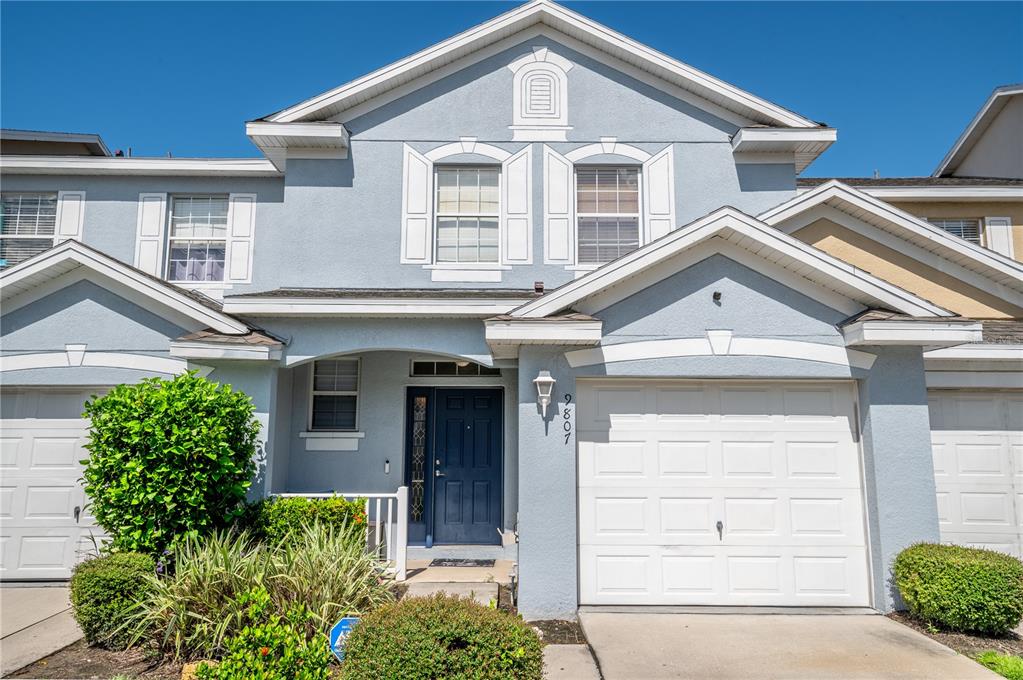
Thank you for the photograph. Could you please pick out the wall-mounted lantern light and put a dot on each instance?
(544, 386)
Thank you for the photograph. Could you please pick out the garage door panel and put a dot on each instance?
(977, 446)
(662, 462)
(687, 575)
(42, 538)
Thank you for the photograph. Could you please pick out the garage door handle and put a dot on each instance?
(78, 512)
(720, 527)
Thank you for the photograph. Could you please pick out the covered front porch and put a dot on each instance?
(439, 428)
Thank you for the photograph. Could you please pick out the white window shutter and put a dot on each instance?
(517, 208)
(998, 235)
(416, 208)
(241, 229)
(149, 236)
(659, 194)
(558, 204)
(70, 215)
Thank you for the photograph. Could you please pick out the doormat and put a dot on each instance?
(448, 562)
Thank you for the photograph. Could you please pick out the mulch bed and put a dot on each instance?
(557, 632)
(79, 660)
(965, 643)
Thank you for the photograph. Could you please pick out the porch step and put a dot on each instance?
(484, 593)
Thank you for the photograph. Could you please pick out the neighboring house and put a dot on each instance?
(738, 416)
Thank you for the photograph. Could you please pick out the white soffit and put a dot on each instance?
(280, 140)
(576, 26)
(369, 307)
(861, 206)
(991, 108)
(64, 259)
(724, 229)
(917, 333)
(103, 165)
(804, 144)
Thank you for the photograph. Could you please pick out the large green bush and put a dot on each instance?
(194, 610)
(273, 519)
(961, 589)
(168, 459)
(441, 637)
(105, 592)
(272, 646)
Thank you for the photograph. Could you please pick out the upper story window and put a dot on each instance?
(607, 212)
(28, 224)
(335, 395)
(468, 214)
(198, 238)
(965, 228)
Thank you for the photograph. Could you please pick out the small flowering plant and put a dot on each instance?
(271, 645)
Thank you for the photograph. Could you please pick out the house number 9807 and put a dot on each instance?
(566, 413)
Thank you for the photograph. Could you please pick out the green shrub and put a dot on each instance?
(194, 610)
(168, 459)
(271, 646)
(961, 589)
(105, 592)
(441, 637)
(273, 519)
(1007, 666)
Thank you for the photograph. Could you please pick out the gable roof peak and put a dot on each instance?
(464, 45)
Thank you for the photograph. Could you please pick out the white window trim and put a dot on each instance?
(222, 284)
(313, 393)
(640, 206)
(67, 224)
(938, 221)
(531, 127)
(498, 216)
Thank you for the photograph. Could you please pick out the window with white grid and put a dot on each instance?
(197, 247)
(28, 223)
(607, 212)
(335, 398)
(468, 213)
(967, 229)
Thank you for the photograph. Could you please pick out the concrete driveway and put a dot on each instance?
(649, 646)
(34, 622)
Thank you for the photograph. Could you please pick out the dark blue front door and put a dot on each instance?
(467, 466)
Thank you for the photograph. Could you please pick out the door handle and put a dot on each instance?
(78, 513)
(438, 473)
(720, 528)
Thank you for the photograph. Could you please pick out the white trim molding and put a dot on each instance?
(937, 193)
(362, 306)
(607, 145)
(804, 145)
(102, 165)
(977, 352)
(720, 343)
(917, 333)
(76, 355)
(42, 269)
(540, 97)
(208, 350)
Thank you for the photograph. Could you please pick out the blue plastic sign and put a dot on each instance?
(339, 633)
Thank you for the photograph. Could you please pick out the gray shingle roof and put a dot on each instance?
(432, 293)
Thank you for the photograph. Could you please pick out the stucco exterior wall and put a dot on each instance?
(999, 150)
(929, 283)
(973, 210)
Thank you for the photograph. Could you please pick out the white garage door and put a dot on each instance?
(977, 440)
(44, 530)
(720, 493)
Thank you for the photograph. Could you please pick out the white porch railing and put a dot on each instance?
(387, 524)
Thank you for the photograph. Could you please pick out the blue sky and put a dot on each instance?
(899, 80)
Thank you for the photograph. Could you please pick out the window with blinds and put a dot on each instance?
(468, 212)
(198, 238)
(28, 223)
(967, 229)
(335, 398)
(607, 212)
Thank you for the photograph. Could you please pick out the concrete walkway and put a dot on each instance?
(34, 622)
(569, 662)
(652, 646)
